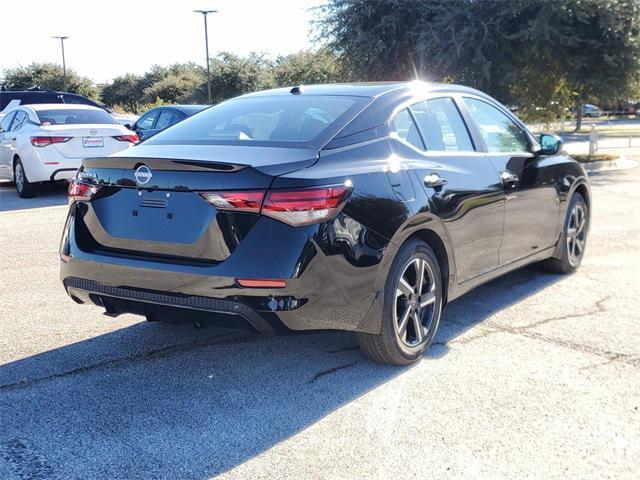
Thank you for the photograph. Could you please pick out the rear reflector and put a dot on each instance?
(259, 283)
(304, 206)
(81, 191)
(247, 201)
(133, 138)
(44, 141)
(294, 207)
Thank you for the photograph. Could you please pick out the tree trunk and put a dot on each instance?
(578, 115)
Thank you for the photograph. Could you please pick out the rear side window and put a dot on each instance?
(166, 118)
(442, 126)
(295, 120)
(18, 120)
(406, 128)
(73, 116)
(500, 133)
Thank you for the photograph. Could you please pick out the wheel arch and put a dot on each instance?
(434, 236)
(433, 240)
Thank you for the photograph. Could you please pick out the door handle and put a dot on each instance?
(433, 180)
(508, 178)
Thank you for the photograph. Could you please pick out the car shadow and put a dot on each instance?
(163, 401)
(49, 195)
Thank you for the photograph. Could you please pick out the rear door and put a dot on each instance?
(527, 180)
(462, 184)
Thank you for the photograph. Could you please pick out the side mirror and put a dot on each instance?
(549, 144)
(128, 126)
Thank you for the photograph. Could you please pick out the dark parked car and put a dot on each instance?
(159, 118)
(38, 96)
(361, 207)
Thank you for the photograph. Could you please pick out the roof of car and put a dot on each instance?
(372, 89)
(189, 108)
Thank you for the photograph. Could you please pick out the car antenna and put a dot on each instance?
(297, 90)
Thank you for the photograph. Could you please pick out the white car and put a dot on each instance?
(47, 142)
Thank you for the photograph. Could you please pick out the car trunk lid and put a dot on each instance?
(150, 206)
(87, 140)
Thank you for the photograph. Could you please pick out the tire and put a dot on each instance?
(24, 187)
(395, 344)
(574, 237)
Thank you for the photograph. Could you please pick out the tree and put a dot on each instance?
(232, 75)
(307, 67)
(126, 91)
(536, 53)
(51, 76)
(178, 83)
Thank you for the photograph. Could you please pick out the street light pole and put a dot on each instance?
(206, 45)
(64, 64)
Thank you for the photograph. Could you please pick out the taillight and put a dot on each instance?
(81, 191)
(247, 201)
(133, 138)
(295, 207)
(44, 141)
(304, 206)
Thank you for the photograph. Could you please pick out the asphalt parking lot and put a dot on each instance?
(533, 375)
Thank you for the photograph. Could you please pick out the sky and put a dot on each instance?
(110, 38)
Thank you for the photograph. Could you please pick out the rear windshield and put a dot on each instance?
(293, 120)
(73, 116)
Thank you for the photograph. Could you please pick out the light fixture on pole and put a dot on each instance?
(206, 44)
(64, 64)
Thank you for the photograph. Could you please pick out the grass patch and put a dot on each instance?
(596, 157)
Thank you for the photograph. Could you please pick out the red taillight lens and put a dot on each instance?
(128, 138)
(248, 201)
(81, 191)
(305, 206)
(44, 141)
(294, 207)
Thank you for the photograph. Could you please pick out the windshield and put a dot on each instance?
(74, 116)
(294, 120)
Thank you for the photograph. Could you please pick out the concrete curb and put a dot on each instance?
(622, 163)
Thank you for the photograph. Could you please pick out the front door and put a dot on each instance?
(531, 200)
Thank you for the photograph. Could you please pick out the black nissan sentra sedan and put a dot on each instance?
(363, 207)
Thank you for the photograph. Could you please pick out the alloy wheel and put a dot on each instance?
(576, 234)
(19, 174)
(413, 311)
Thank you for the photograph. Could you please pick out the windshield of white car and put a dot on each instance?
(74, 116)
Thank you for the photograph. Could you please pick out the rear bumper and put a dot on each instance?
(323, 290)
(63, 174)
(163, 305)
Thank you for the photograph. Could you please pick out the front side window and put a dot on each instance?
(6, 121)
(74, 116)
(442, 126)
(500, 133)
(406, 129)
(146, 122)
(297, 120)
